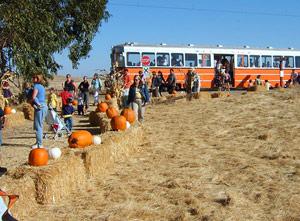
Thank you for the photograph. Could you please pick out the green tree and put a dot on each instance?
(32, 31)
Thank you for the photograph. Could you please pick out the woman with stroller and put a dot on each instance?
(40, 109)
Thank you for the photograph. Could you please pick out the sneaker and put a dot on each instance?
(34, 146)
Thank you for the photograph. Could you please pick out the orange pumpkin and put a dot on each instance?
(111, 112)
(118, 123)
(80, 139)
(107, 97)
(75, 102)
(38, 157)
(128, 114)
(102, 107)
(7, 110)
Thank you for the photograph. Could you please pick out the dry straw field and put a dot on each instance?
(228, 158)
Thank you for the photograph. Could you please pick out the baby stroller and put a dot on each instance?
(56, 123)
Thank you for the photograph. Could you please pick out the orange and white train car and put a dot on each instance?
(245, 62)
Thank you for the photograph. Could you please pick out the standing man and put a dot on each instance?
(69, 85)
(126, 87)
(96, 86)
(171, 82)
(84, 90)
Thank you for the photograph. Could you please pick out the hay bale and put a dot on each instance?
(157, 100)
(204, 95)
(104, 125)
(13, 120)
(113, 103)
(219, 94)
(59, 179)
(23, 186)
(257, 88)
(28, 111)
(115, 146)
(2, 101)
(96, 117)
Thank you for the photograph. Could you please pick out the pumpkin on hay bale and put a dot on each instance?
(28, 111)
(118, 123)
(38, 157)
(107, 97)
(74, 102)
(7, 110)
(80, 139)
(102, 107)
(111, 112)
(129, 114)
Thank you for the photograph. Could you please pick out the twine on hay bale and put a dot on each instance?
(115, 146)
(13, 120)
(28, 111)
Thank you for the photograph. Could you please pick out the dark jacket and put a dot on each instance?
(144, 92)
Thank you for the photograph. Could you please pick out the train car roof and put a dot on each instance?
(192, 46)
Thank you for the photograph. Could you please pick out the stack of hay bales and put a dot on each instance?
(28, 111)
(101, 120)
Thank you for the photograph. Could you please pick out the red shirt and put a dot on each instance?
(126, 81)
(64, 97)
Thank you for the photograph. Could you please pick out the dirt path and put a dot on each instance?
(226, 159)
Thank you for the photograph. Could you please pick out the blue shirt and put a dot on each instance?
(41, 95)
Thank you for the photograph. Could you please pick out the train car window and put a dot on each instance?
(266, 61)
(254, 61)
(289, 61)
(242, 60)
(133, 59)
(297, 61)
(204, 60)
(276, 61)
(176, 59)
(191, 60)
(163, 59)
(151, 56)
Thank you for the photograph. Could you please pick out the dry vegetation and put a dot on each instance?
(228, 158)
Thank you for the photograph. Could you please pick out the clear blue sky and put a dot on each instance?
(258, 23)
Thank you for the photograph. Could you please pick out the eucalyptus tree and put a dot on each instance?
(32, 31)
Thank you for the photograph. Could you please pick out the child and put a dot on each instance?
(52, 99)
(65, 95)
(2, 118)
(68, 110)
(80, 104)
(268, 85)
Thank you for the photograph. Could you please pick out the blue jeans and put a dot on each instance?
(69, 123)
(39, 117)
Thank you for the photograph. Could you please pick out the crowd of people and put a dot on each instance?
(135, 95)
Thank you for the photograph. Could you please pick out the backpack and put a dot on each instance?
(5, 215)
